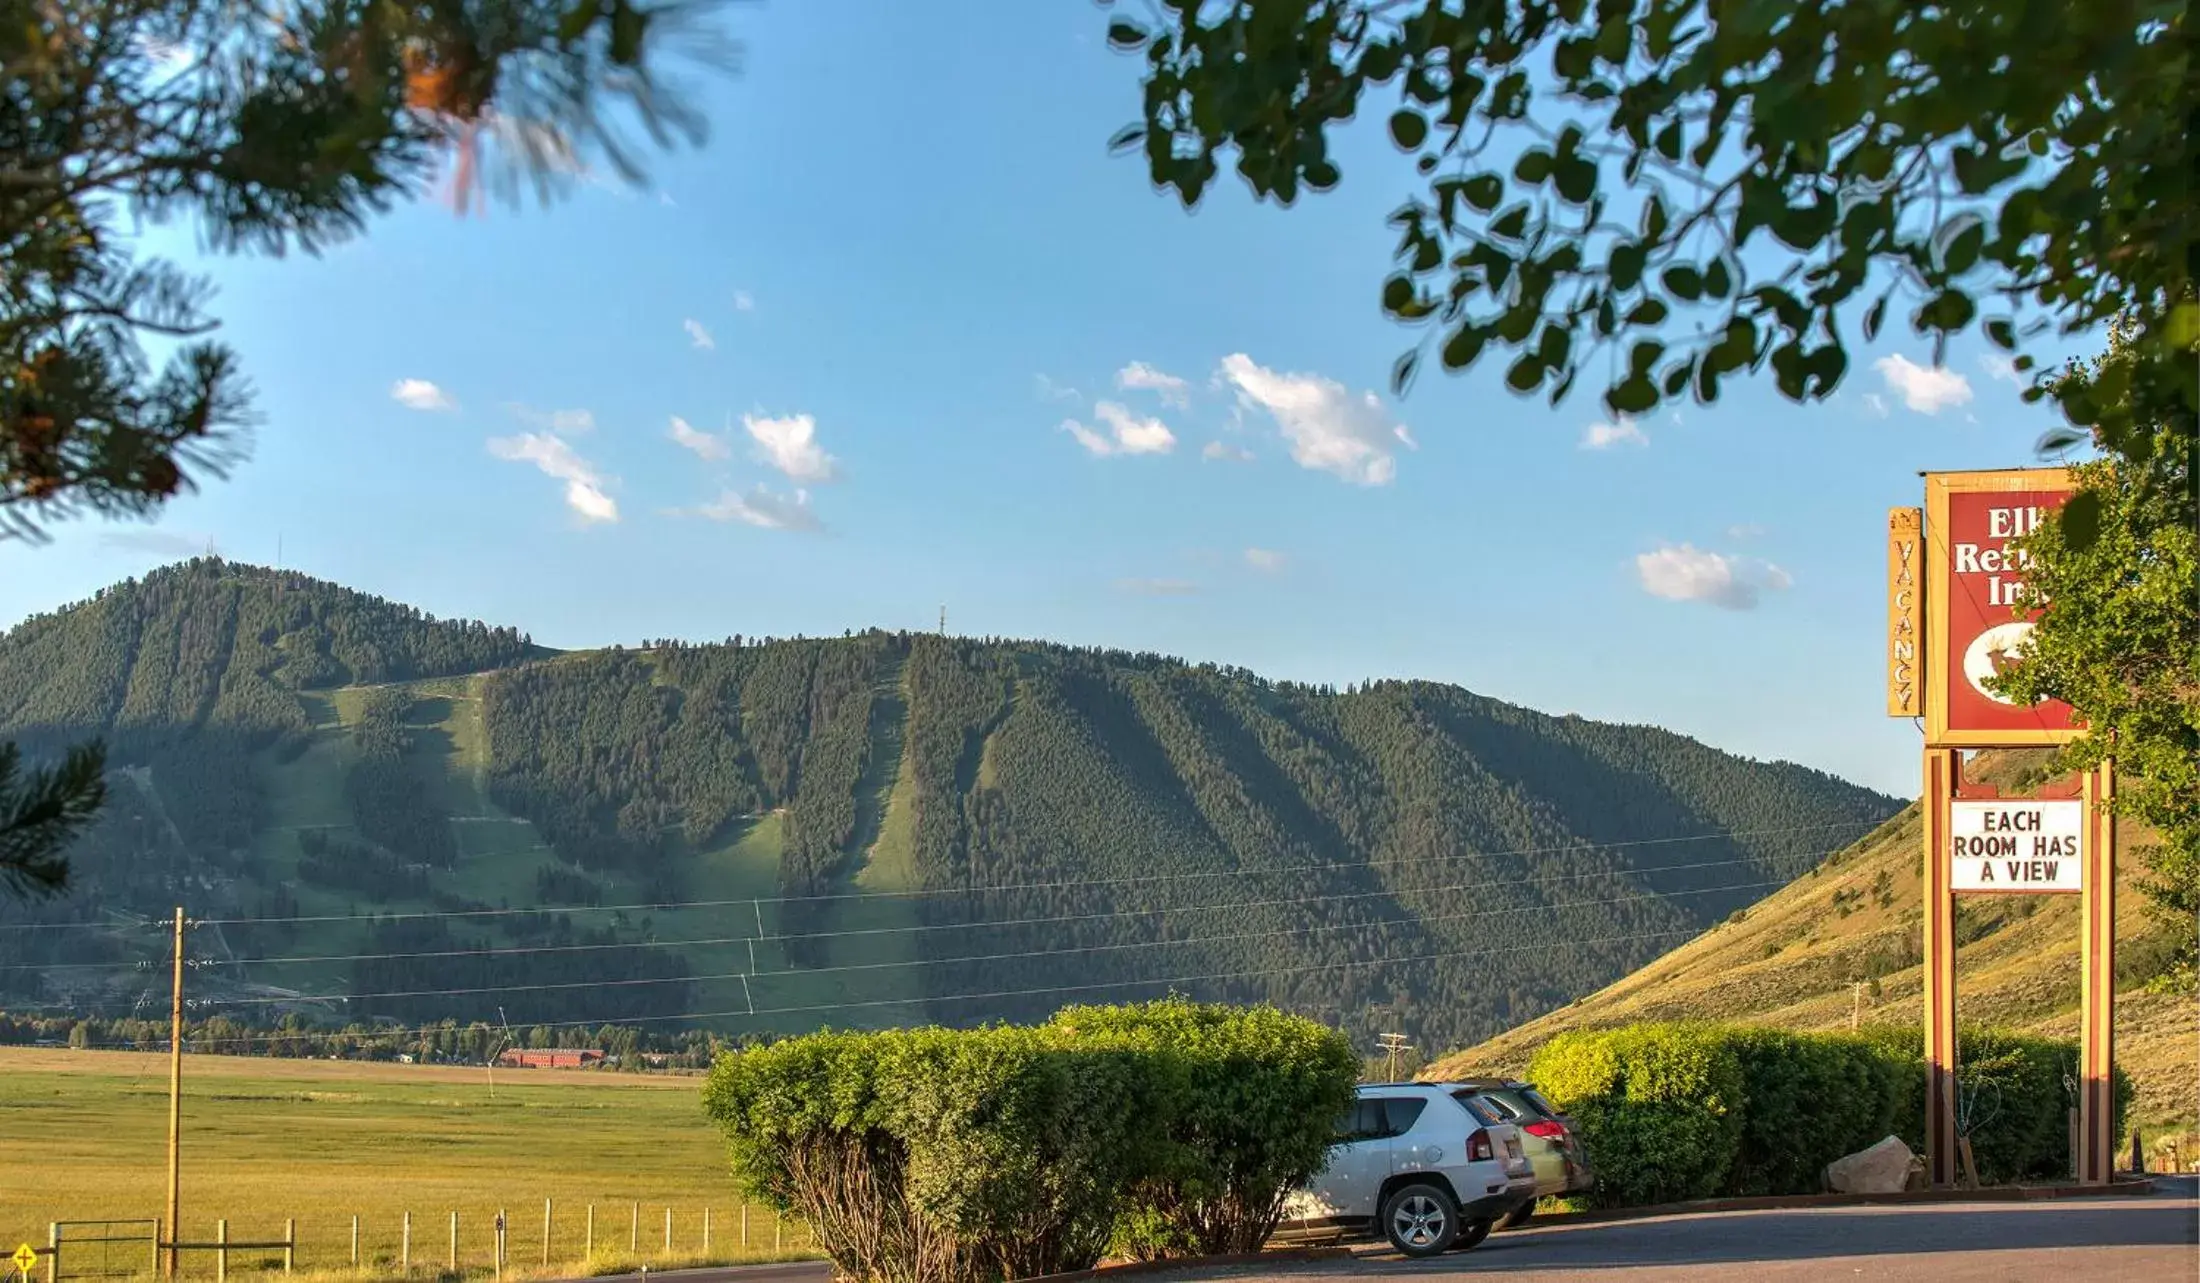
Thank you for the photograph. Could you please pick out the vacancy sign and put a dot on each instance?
(2022, 845)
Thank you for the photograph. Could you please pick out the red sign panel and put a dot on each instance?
(1981, 573)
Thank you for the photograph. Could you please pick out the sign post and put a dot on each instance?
(2062, 840)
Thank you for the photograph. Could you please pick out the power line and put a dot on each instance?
(782, 937)
(421, 1030)
(926, 892)
(542, 986)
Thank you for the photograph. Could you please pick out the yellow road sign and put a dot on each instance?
(25, 1258)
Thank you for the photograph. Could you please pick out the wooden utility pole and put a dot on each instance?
(175, 1103)
(1393, 1044)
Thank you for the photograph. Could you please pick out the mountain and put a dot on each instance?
(1843, 944)
(378, 813)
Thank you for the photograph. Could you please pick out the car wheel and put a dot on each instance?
(1420, 1220)
(1471, 1235)
(1518, 1216)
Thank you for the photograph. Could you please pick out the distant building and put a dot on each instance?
(555, 1058)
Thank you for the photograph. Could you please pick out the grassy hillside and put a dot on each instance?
(1843, 943)
(394, 817)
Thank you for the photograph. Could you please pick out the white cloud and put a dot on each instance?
(1265, 560)
(1158, 587)
(697, 335)
(707, 446)
(1685, 572)
(761, 508)
(1603, 436)
(790, 445)
(566, 423)
(1124, 432)
(743, 301)
(419, 394)
(1141, 377)
(1228, 451)
(1326, 427)
(2001, 367)
(584, 486)
(1875, 405)
(1049, 390)
(1927, 391)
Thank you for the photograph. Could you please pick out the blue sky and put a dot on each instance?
(903, 262)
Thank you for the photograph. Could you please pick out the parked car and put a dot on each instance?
(1429, 1166)
(1554, 1148)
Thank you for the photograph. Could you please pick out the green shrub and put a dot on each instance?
(972, 1156)
(1659, 1107)
(1675, 1111)
(1807, 1099)
(1262, 1089)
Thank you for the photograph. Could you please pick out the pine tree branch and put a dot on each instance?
(42, 812)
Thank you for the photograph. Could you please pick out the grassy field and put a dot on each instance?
(1840, 945)
(266, 1140)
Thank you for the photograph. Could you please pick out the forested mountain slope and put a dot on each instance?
(875, 828)
(1842, 945)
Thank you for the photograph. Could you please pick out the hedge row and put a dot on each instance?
(946, 1156)
(1679, 1111)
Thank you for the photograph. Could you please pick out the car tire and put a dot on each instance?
(1471, 1235)
(1518, 1216)
(1421, 1220)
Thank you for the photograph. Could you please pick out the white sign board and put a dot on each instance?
(2017, 846)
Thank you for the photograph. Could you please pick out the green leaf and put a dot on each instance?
(1525, 373)
(2080, 520)
(1963, 249)
(2002, 333)
(1669, 141)
(1125, 34)
(1402, 372)
(1683, 282)
(1127, 138)
(1574, 58)
(1676, 379)
(1484, 191)
(578, 19)
(1949, 311)
(1408, 128)
(1398, 294)
(1511, 223)
(1626, 266)
(1716, 281)
(1873, 315)
(1577, 180)
(1636, 395)
(1533, 167)
(1648, 312)
(1464, 345)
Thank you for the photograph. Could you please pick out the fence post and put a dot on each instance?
(50, 1273)
(744, 1225)
(706, 1231)
(53, 1250)
(498, 1244)
(290, 1243)
(546, 1231)
(405, 1246)
(634, 1231)
(221, 1251)
(453, 1263)
(668, 1231)
(355, 1240)
(778, 1240)
(588, 1244)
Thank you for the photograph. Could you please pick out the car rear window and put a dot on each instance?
(1485, 1112)
(1535, 1098)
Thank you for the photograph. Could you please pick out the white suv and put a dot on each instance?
(1426, 1165)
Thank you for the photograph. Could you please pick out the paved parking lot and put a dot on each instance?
(2155, 1239)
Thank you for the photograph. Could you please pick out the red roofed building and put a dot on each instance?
(551, 1058)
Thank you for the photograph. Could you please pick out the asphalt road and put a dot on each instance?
(2155, 1239)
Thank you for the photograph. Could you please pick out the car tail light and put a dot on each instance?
(1545, 1128)
(1478, 1147)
